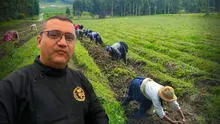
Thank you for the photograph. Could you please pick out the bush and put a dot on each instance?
(181, 11)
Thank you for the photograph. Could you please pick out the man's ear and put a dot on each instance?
(38, 41)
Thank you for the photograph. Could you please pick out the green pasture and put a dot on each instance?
(57, 8)
(182, 50)
(50, 11)
(179, 46)
(10, 23)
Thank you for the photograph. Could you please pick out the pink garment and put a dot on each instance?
(11, 35)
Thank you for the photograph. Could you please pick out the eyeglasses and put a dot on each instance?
(57, 35)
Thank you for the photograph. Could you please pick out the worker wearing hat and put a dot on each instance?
(147, 92)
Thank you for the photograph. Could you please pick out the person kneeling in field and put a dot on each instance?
(148, 92)
(118, 51)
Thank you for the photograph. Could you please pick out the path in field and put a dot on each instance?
(120, 82)
(41, 17)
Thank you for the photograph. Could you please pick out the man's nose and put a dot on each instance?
(62, 41)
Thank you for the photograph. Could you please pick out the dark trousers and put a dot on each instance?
(134, 93)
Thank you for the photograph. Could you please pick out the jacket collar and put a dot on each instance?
(49, 71)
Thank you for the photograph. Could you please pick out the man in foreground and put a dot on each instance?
(48, 92)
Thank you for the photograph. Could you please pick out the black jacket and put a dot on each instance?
(37, 94)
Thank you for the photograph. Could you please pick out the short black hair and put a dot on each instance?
(62, 18)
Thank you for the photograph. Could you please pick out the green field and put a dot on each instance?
(57, 8)
(181, 50)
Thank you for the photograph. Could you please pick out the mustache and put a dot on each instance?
(62, 50)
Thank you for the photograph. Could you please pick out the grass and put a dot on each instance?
(59, 9)
(178, 38)
(100, 84)
(181, 49)
(9, 23)
(17, 57)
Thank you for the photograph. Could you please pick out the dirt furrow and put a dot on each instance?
(119, 81)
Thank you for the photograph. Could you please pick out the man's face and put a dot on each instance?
(56, 52)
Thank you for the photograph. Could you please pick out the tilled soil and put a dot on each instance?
(119, 85)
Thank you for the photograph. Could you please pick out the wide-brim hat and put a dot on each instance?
(167, 94)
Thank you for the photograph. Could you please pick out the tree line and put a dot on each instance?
(62, 1)
(18, 9)
(144, 7)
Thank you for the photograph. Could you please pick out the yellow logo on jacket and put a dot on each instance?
(79, 94)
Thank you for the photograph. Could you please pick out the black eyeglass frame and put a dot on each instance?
(58, 38)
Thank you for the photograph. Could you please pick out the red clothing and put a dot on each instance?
(77, 26)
